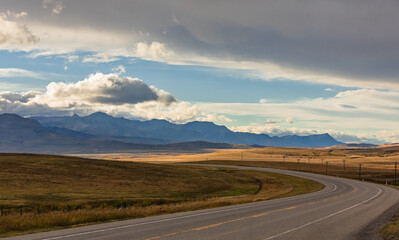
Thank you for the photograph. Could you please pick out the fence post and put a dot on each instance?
(396, 167)
(20, 210)
(344, 163)
(2, 210)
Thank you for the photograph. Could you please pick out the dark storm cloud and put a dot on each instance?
(126, 91)
(18, 97)
(109, 89)
(352, 39)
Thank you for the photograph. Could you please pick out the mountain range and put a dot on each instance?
(23, 135)
(162, 131)
(100, 132)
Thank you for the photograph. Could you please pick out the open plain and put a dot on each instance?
(375, 164)
(44, 192)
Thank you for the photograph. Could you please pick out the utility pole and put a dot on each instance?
(396, 167)
(360, 171)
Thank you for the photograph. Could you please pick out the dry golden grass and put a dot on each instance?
(391, 230)
(375, 161)
(57, 192)
(377, 164)
(272, 186)
(381, 158)
(33, 179)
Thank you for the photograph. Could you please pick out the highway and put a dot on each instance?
(338, 211)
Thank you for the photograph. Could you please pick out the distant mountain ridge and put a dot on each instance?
(162, 131)
(28, 135)
(23, 135)
(354, 146)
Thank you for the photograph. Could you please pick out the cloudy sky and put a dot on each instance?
(277, 67)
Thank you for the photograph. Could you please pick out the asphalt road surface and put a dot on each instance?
(338, 211)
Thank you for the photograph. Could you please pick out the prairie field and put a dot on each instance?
(43, 192)
(368, 164)
(376, 164)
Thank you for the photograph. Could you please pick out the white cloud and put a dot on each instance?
(73, 58)
(11, 14)
(276, 130)
(329, 90)
(109, 93)
(18, 73)
(66, 40)
(65, 67)
(265, 44)
(373, 120)
(108, 89)
(109, 46)
(180, 112)
(370, 113)
(214, 118)
(289, 120)
(119, 69)
(14, 35)
(99, 58)
(129, 97)
(56, 6)
(269, 71)
(155, 51)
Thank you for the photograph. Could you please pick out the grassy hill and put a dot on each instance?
(48, 192)
(32, 179)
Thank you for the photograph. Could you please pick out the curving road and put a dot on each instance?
(338, 211)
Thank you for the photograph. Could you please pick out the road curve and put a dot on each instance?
(338, 211)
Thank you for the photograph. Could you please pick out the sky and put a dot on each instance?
(276, 67)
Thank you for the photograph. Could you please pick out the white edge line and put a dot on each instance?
(158, 221)
(320, 219)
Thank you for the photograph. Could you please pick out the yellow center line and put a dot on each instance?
(218, 224)
(243, 218)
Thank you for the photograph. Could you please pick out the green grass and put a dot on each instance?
(56, 192)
